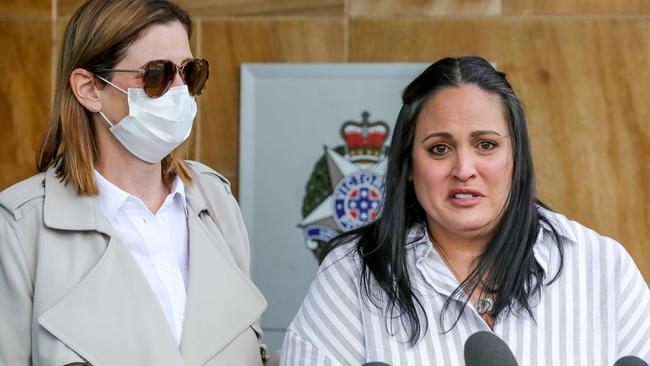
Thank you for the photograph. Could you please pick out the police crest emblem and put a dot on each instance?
(346, 186)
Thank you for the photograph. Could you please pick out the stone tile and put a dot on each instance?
(24, 96)
(238, 7)
(577, 7)
(66, 8)
(397, 8)
(263, 7)
(26, 8)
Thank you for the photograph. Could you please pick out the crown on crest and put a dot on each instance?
(364, 140)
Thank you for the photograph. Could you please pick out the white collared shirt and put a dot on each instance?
(158, 242)
(596, 312)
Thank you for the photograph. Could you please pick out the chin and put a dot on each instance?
(465, 223)
(475, 226)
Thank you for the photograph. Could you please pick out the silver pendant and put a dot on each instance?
(484, 305)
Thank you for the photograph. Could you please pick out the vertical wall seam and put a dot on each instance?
(199, 121)
(346, 32)
(53, 42)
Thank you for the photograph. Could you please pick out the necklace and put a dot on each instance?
(484, 304)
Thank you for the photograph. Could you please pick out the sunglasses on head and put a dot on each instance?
(158, 75)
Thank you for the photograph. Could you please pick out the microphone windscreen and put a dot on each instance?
(630, 361)
(486, 349)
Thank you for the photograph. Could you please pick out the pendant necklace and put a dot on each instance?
(484, 304)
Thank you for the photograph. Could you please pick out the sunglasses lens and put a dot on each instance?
(157, 78)
(195, 75)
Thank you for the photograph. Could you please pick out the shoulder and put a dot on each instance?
(342, 263)
(21, 217)
(209, 176)
(21, 198)
(331, 307)
(583, 239)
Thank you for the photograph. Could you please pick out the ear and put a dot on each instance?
(82, 83)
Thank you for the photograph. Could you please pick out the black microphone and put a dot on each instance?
(375, 363)
(486, 349)
(630, 361)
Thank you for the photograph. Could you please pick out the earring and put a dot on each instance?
(96, 108)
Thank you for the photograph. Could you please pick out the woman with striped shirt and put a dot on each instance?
(463, 245)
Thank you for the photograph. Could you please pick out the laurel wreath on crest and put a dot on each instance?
(319, 185)
(317, 189)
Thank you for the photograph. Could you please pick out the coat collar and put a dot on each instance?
(114, 300)
(222, 301)
(82, 213)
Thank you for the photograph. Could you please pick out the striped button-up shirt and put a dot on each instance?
(597, 311)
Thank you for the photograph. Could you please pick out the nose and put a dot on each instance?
(465, 166)
(177, 78)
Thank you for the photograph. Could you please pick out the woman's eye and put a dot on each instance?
(486, 145)
(439, 149)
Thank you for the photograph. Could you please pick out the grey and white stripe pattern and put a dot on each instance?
(596, 312)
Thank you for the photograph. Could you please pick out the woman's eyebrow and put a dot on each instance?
(437, 134)
(485, 132)
(473, 134)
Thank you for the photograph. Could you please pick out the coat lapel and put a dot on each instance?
(222, 301)
(111, 316)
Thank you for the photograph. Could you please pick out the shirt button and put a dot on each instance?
(183, 318)
(166, 267)
(144, 220)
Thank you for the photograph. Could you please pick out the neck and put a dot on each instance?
(459, 251)
(132, 175)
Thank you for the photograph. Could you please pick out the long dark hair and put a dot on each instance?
(507, 269)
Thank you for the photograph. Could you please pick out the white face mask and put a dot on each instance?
(154, 126)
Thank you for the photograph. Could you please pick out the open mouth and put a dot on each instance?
(464, 196)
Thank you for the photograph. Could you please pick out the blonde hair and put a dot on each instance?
(98, 37)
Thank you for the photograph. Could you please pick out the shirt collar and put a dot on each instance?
(543, 250)
(559, 222)
(545, 246)
(429, 262)
(111, 197)
(178, 192)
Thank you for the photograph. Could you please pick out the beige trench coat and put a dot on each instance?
(70, 292)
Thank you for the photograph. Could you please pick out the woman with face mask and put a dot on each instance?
(119, 252)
